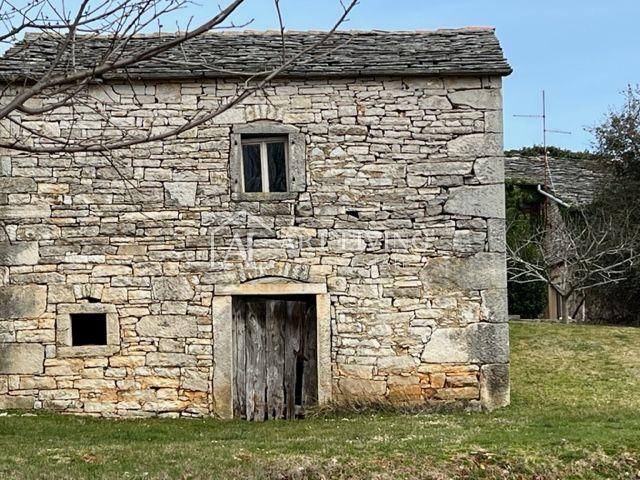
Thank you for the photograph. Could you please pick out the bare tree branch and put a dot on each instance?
(71, 88)
(68, 83)
(582, 250)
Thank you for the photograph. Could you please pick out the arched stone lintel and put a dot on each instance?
(286, 271)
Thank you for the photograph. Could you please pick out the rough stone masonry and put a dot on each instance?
(399, 215)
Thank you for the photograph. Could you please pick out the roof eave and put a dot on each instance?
(142, 76)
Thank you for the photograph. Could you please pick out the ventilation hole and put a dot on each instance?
(88, 329)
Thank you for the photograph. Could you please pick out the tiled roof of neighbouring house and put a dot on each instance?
(574, 180)
(468, 51)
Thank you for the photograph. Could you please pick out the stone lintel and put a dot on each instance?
(272, 289)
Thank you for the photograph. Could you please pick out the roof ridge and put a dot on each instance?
(469, 29)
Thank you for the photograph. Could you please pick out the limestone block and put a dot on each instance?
(168, 93)
(61, 294)
(17, 185)
(356, 371)
(485, 201)
(437, 380)
(494, 386)
(21, 358)
(111, 270)
(396, 364)
(460, 83)
(11, 402)
(167, 326)
(17, 212)
(180, 194)
(494, 305)
(130, 361)
(19, 253)
(157, 174)
(440, 168)
(338, 152)
(496, 232)
(22, 301)
(489, 169)
(114, 295)
(359, 387)
(37, 232)
(479, 272)
(171, 288)
(5, 166)
(37, 383)
(346, 245)
(221, 312)
(157, 359)
(468, 241)
(460, 393)
(476, 343)
(480, 99)
(234, 115)
(475, 145)
(493, 122)
(435, 102)
(195, 380)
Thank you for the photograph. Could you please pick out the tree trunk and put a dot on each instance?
(564, 308)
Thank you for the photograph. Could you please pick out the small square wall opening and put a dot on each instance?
(88, 329)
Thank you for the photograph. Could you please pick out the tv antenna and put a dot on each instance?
(548, 181)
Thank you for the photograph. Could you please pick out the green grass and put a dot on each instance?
(575, 413)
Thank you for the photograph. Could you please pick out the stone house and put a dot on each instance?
(339, 236)
(573, 184)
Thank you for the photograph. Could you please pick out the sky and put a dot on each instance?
(584, 53)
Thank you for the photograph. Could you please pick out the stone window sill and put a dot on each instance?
(88, 351)
(263, 196)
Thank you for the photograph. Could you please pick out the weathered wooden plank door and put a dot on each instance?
(275, 357)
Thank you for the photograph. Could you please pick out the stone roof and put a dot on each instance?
(469, 51)
(574, 180)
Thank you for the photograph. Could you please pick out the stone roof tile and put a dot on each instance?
(574, 180)
(469, 51)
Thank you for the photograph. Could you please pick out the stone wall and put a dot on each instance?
(402, 219)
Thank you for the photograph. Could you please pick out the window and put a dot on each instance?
(88, 329)
(267, 161)
(264, 164)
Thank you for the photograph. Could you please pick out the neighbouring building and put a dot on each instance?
(573, 183)
(338, 236)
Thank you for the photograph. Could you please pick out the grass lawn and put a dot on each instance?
(575, 414)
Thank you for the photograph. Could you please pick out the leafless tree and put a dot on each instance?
(578, 251)
(71, 87)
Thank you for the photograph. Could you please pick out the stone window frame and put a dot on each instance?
(296, 160)
(222, 317)
(64, 341)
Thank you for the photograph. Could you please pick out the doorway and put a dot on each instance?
(275, 356)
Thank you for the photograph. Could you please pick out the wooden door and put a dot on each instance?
(275, 357)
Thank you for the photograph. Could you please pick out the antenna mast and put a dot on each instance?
(548, 181)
